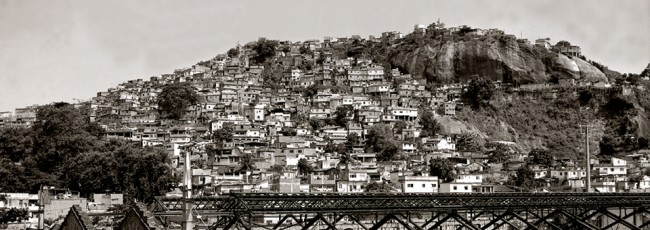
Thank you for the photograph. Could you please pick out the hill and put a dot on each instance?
(444, 56)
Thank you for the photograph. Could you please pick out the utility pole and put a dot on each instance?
(588, 159)
(41, 209)
(188, 221)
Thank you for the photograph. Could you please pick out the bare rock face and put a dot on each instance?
(496, 59)
(588, 72)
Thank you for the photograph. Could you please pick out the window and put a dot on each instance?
(353, 175)
(455, 188)
(423, 185)
(409, 185)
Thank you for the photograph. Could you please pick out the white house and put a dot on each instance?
(455, 187)
(418, 184)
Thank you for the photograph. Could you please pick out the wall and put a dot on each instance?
(61, 207)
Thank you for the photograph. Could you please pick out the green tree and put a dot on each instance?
(305, 50)
(430, 126)
(304, 167)
(341, 115)
(399, 126)
(380, 140)
(247, 163)
(479, 92)
(233, 52)
(143, 173)
(277, 169)
(442, 168)
(264, 49)
(10, 215)
(618, 105)
(16, 143)
(353, 139)
(499, 153)
(272, 76)
(377, 187)
(540, 157)
(311, 91)
(92, 172)
(316, 124)
(225, 134)
(330, 147)
(525, 178)
(175, 99)
(468, 142)
(61, 132)
(585, 97)
(286, 131)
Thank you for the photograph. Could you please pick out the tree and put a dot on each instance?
(540, 157)
(92, 172)
(277, 169)
(61, 132)
(525, 178)
(9, 215)
(304, 167)
(143, 173)
(585, 97)
(467, 142)
(563, 44)
(399, 126)
(264, 49)
(175, 99)
(330, 147)
(286, 131)
(442, 168)
(305, 50)
(233, 52)
(380, 140)
(353, 139)
(642, 142)
(377, 187)
(246, 163)
(498, 153)
(311, 91)
(430, 126)
(341, 115)
(16, 143)
(479, 92)
(225, 134)
(272, 76)
(617, 105)
(316, 124)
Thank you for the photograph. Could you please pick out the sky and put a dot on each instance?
(68, 50)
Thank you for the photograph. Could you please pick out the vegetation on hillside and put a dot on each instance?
(64, 149)
(553, 119)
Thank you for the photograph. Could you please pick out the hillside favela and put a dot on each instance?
(443, 127)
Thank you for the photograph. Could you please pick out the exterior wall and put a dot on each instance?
(455, 188)
(419, 184)
(59, 208)
(469, 179)
(133, 221)
(344, 186)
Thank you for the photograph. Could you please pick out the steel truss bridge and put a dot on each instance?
(417, 211)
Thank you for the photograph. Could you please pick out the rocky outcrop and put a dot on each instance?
(487, 57)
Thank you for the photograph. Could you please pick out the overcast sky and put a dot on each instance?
(65, 50)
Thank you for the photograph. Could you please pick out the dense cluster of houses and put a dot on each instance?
(234, 93)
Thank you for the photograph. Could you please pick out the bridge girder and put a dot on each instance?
(421, 211)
